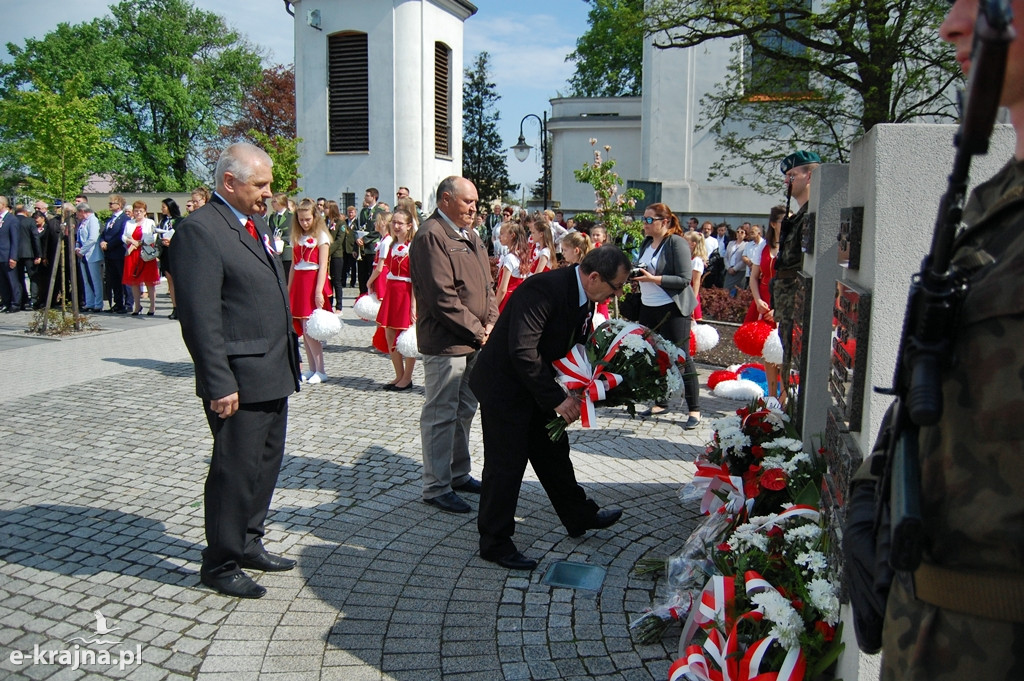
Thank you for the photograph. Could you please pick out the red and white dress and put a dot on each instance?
(396, 308)
(535, 259)
(305, 265)
(510, 262)
(764, 286)
(380, 284)
(136, 270)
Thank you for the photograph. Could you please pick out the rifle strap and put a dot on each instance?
(995, 596)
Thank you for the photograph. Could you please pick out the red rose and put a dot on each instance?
(775, 532)
(757, 450)
(724, 547)
(826, 630)
(774, 479)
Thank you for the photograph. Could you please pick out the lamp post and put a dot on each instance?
(522, 150)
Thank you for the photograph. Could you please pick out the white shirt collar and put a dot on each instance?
(242, 217)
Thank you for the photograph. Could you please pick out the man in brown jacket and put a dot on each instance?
(451, 279)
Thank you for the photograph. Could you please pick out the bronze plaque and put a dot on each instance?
(842, 457)
(850, 325)
(798, 365)
(851, 228)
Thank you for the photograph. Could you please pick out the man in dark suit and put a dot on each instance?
(113, 254)
(10, 231)
(233, 308)
(29, 255)
(514, 381)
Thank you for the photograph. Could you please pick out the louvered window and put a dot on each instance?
(348, 70)
(442, 100)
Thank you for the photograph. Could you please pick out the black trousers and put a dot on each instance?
(113, 289)
(348, 271)
(511, 438)
(247, 451)
(337, 271)
(675, 328)
(365, 269)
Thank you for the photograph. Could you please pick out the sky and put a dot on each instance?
(527, 40)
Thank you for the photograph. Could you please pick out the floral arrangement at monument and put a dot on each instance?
(752, 583)
(621, 363)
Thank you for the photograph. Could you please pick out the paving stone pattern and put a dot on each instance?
(105, 451)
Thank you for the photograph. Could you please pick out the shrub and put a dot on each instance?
(719, 305)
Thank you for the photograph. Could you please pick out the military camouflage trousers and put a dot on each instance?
(921, 642)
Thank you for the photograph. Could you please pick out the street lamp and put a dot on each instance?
(522, 150)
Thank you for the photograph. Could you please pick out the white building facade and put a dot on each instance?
(378, 93)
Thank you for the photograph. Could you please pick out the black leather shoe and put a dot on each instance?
(268, 563)
(606, 517)
(450, 502)
(471, 486)
(236, 585)
(514, 561)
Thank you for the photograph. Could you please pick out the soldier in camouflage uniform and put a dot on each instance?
(798, 168)
(961, 614)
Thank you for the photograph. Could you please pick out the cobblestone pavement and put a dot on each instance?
(105, 451)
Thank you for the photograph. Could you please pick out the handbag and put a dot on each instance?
(149, 252)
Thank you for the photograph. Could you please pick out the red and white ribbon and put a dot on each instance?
(715, 480)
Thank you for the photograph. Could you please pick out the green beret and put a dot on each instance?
(800, 158)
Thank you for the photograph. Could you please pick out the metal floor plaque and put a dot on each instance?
(575, 575)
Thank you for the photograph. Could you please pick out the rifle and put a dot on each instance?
(934, 296)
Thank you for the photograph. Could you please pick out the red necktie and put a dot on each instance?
(250, 226)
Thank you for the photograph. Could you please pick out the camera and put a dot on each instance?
(636, 272)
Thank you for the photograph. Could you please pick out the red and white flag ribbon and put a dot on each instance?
(715, 480)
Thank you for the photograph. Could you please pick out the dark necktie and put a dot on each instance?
(250, 227)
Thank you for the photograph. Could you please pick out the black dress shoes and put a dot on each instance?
(471, 486)
(450, 502)
(606, 517)
(514, 561)
(235, 584)
(268, 563)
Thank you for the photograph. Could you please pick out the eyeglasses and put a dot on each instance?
(649, 220)
(615, 287)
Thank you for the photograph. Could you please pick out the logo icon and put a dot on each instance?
(102, 629)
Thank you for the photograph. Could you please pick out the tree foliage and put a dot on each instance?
(268, 106)
(483, 155)
(806, 78)
(55, 137)
(169, 75)
(609, 55)
(611, 202)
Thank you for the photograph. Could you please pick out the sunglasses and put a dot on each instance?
(650, 221)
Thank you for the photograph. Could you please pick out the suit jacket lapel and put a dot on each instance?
(257, 249)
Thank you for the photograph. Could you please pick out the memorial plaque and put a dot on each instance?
(842, 457)
(798, 364)
(850, 325)
(851, 229)
(807, 235)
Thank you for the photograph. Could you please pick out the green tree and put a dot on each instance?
(801, 78)
(54, 137)
(170, 76)
(611, 202)
(284, 152)
(609, 55)
(483, 158)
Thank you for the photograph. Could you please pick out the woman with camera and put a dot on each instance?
(664, 273)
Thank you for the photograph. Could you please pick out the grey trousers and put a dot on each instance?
(445, 421)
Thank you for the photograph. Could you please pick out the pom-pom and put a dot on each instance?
(772, 352)
(717, 377)
(754, 373)
(406, 343)
(705, 335)
(741, 390)
(749, 365)
(750, 337)
(323, 325)
(366, 307)
(380, 341)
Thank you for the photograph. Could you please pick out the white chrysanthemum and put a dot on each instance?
(785, 443)
(732, 421)
(733, 439)
(636, 343)
(825, 599)
(804, 534)
(814, 561)
(674, 382)
(746, 538)
(787, 625)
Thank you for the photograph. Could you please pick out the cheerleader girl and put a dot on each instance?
(699, 259)
(398, 309)
(308, 286)
(513, 267)
(378, 280)
(543, 246)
